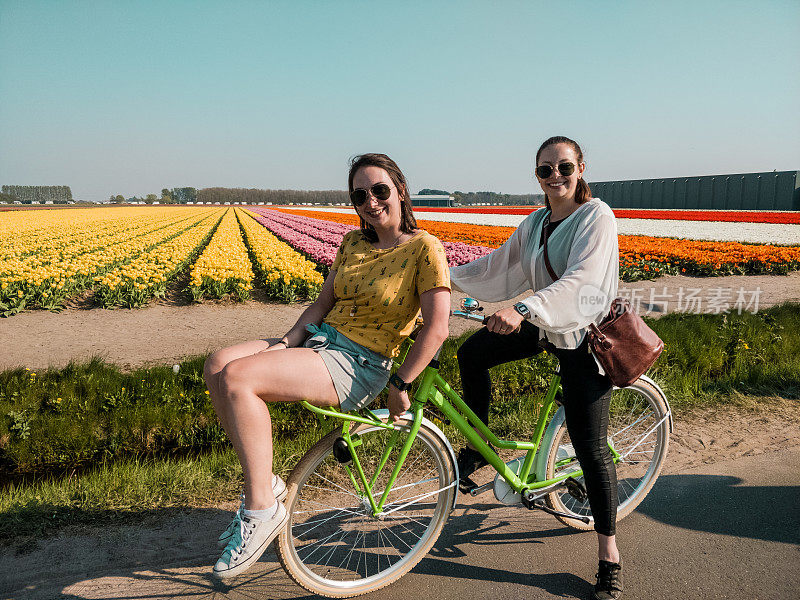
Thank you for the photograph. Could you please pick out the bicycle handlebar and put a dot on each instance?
(470, 316)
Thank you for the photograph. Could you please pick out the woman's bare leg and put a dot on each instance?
(217, 361)
(607, 548)
(245, 384)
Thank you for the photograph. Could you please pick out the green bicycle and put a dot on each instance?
(369, 500)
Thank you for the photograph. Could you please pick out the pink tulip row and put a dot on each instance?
(321, 252)
(320, 239)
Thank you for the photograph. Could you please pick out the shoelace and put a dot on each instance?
(236, 546)
(237, 517)
(608, 577)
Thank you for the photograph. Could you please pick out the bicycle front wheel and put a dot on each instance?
(638, 432)
(333, 545)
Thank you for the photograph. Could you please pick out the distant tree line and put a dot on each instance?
(27, 194)
(254, 196)
(488, 197)
(495, 198)
(174, 196)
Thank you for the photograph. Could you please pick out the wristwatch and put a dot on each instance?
(523, 310)
(399, 383)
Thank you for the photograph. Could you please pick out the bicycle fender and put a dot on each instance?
(540, 463)
(663, 398)
(383, 414)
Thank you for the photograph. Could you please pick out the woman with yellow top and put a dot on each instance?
(339, 352)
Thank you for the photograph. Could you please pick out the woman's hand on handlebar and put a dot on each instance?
(398, 403)
(504, 321)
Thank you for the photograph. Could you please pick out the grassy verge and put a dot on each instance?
(89, 440)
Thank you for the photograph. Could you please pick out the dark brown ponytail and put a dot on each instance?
(582, 192)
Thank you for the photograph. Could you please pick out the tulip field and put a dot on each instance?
(641, 257)
(127, 256)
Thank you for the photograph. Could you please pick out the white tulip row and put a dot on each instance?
(757, 233)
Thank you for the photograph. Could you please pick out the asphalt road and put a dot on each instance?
(727, 530)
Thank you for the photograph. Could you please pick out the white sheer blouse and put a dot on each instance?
(583, 251)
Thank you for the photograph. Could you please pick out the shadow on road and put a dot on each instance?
(719, 504)
(487, 527)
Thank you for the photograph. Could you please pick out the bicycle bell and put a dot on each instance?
(470, 305)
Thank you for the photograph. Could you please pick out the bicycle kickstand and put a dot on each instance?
(531, 501)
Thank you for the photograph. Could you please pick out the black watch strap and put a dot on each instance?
(399, 383)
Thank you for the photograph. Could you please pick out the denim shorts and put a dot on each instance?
(358, 373)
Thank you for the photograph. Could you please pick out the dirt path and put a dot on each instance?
(170, 330)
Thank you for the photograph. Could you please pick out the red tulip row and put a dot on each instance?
(739, 216)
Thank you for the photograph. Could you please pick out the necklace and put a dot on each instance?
(354, 308)
(396, 241)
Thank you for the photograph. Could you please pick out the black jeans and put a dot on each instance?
(586, 401)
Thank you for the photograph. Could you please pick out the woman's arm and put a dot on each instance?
(435, 305)
(313, 314)
(497, 276)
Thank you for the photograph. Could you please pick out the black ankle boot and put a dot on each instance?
(609, 581)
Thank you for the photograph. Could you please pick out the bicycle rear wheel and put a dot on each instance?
(333, 545)
(638, 431)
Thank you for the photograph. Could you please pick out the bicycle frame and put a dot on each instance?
(434, 389)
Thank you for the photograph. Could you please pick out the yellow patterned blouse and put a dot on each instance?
(377, 291)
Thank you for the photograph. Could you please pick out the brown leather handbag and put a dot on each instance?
(622, 343)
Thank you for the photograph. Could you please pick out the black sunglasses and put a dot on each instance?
(565, 168)
(379, 191)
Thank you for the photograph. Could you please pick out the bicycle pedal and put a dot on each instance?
(466, 485)
(576, 489)
(480, 490)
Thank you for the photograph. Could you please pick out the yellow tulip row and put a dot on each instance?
(42, 233)
(224, 266)
(76, 247)
(285, 273)
(45, 278)
(33, 228)
(129, 253)
(134, 283)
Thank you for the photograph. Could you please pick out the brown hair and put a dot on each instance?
(408, 224)
(582, 191)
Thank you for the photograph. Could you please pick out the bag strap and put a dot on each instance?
(547, 264)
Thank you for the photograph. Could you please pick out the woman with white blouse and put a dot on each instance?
(583, 252)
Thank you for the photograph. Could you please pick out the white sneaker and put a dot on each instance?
(280, 491)
(249, 542)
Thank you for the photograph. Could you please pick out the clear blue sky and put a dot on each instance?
(131, 97)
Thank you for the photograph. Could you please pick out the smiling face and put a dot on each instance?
(557, 186)
(381, 214)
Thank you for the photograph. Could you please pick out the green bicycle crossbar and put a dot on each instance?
(435, 389)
